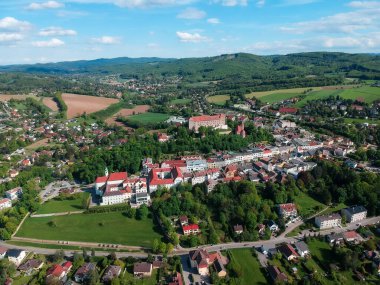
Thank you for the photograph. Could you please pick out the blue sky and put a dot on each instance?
(60, 30)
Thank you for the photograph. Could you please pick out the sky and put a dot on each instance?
(66, 30)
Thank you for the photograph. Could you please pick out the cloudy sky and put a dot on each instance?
(45, 31)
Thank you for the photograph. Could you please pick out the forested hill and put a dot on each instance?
(232, 68)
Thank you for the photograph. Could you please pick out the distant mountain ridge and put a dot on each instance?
(239, 65)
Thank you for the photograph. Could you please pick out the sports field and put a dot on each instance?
(218, 99)
(114, 228)
(251, 271)
(149, 118)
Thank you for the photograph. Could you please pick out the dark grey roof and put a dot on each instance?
(355, 210)
(14, 252)
(301, 246)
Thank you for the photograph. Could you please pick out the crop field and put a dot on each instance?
(367, 93)
(50, 103)
(111, 227)
(218, 99)
(139, 109)
(297, 91)
(79, 104)
(148, 118)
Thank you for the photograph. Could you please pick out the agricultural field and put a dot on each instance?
(262, 94)
(50, 103)
(369, 94)
(112, 227)
(79, 104)
(183, 101)
(218, 99)
(251, 271)
(149, 118)
(56, 205)
(139, 109)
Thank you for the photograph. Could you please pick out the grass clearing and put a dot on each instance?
(183, 101)
(218, 99)
(361, 121)
(369, 94)
(112, 228)
(149, 118)
(297, 91)
(277, 97)
(252, 272)
(307, 205)
(317, 95)
(56, 205)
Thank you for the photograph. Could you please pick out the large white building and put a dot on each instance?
(14, 193)
(118, 188)
(328, 221)
(354, 214)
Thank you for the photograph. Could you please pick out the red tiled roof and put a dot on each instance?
(56, 270)
(118, 176)
(350, 235)
(101, 179)
(288, 110)
(289, 207)
(207, 118)
(191, 227)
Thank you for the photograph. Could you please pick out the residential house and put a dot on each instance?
(328, 221)
(183, 220)
(3, 252)
(58, 271)
(164, 177)
(16, 256)
(190, 229)
(238, 229)
(200, 259)
(111, 272)
(276, 275)
(84, 271)
(14, 193)
(142, 269)
(5, 204)
(335, 238)
(288, 252)
(30, 266)
(302, 248)
(176, 280)
(351, 236)
(13, 173)
(273, 226)
(219, 268)
(287, 210)
(354, 214)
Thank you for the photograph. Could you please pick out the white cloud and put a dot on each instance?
(364, 4)
(50, 43)
(45, 5)
(260, 3)
(191, 37)
(107, 40)
(12, 24)
(138, 3)
(213, 21)
(349, 22)
(192, 14)
(56, 31)
(10, 37)
(232, 3)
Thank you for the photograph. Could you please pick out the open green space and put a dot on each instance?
(335, 208)
(218, 99)
(361, 121)
(251, 270)
(297, 91)
(110, 228)
(307, 205)
(183, 101)
(317, 95)
(148, 118)
(277, 97)
(58, 205)
(369, 94)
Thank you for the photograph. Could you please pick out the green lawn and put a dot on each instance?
(296, 91)
(321, 251)
(112, 228)
(307, 205)
(277, 97)
(130, 279)
(218, 99)
(148, 117)
(183, 101)
(252, 273)
(59, 206)
(334, 209)
(316, 95)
